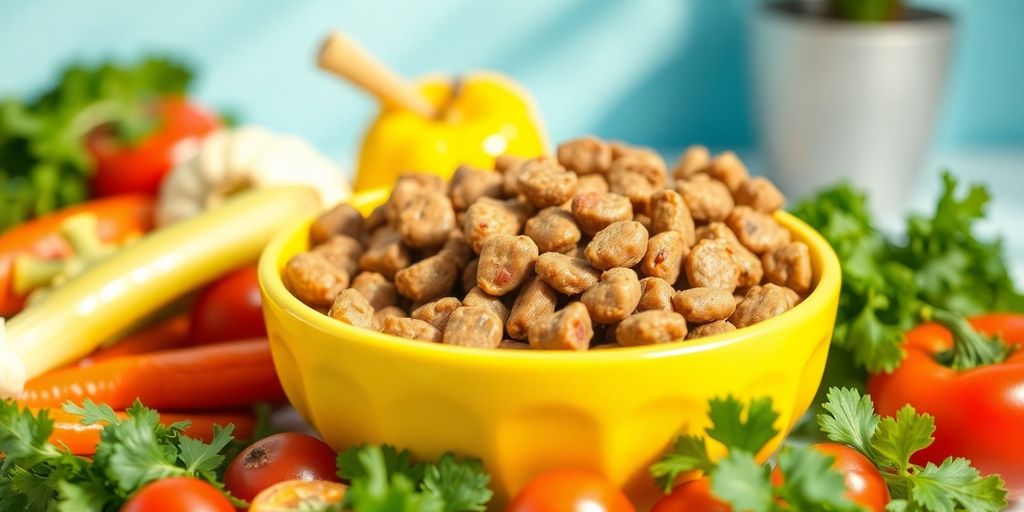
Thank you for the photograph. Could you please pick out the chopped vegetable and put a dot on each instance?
(208, 377)
(385, 479)
(970, 384)
(808, 480)
(890, 443)
(942, 263)
(37, 476)
(44, 164)
(279, 458)
(42, 243)
(135, 282)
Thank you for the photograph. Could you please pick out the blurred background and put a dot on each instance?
(655, 72)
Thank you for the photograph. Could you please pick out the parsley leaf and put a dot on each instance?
(376, 489)
(688, 454)
(728, 428)
(744, 483)
(809, 482)
(461, 485)
(892, 442)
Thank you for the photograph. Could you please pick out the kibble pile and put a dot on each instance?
(593, 248)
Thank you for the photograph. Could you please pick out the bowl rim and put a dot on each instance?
(274, 290)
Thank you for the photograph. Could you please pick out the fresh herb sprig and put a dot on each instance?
(891, 442)
(384, 479)
(942, 264)
(43, 159)
(133, 451)
(808, 483)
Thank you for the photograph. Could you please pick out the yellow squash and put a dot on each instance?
(133, 283)
(482, 116)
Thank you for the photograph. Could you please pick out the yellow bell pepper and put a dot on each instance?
(488, 115)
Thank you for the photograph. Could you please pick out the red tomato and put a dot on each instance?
(229, 308)
(692, 496)
(570, 491)
(864, 484)
(122, 169)
(280, 457)
(295, 494)
(178, 494)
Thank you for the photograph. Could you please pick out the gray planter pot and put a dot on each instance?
(840, 100)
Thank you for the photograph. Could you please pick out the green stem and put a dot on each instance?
(970, 348)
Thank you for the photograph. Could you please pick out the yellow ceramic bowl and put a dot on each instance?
(523, 412)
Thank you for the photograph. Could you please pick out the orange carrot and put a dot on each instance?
(164, 335)
(82, 439)
(206, 377)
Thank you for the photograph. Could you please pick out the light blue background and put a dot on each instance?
(660, 72)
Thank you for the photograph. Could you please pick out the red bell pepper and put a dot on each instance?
(118, 218)
(972, 384)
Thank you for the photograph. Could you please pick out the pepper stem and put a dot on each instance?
(970, 348)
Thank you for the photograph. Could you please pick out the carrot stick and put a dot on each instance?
(82, 439)
(164, 335)
(206, 377)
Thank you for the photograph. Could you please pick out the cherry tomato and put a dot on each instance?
(179, 494)
(692, 496)
(139, 168)
(275, 459)
(298, 495)
(864, 483)
(229, 308)
(570, 491)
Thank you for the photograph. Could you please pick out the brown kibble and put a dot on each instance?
(386, 254)
(709, 200)
(651, 327)
(729, 169)
(505, 262)
(546, 183)
(703, 305)
(757, 231)
(426, 220)
(710, 329)
(644, 162)
(380, 314)
(566, 274)
(692, 161)
(669, 212)
(478, 297)
(642, 218)
(410, 328)
(554, 230)
(505, 163)
(534, 301)
(655, 295)
(341, 251)
(408, 187)
(343, 219)
(591, 183)
(376, 288)
(634, 186)
(351, 307)
(567, 329)
(427, 279)
(789, 266)
(436, 313)
(622, 244)
(711, 264)
(595, 211)
(469, 184)
(614, 297)
(469, 274)
(458, 248)
(585, 155)
(760, 304)
(473, 326)
(487, 217)
(377, 218)
(513, 345)
(313, 279)
(760, 194)
(750, 265)
(665, 254)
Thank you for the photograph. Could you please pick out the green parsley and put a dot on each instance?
(890, 443)
(809, 482)
(383, 479)
(43, 162)
(134, 451)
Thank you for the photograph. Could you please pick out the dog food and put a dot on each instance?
(592, 248)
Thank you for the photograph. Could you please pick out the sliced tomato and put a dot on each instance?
(298, 495)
